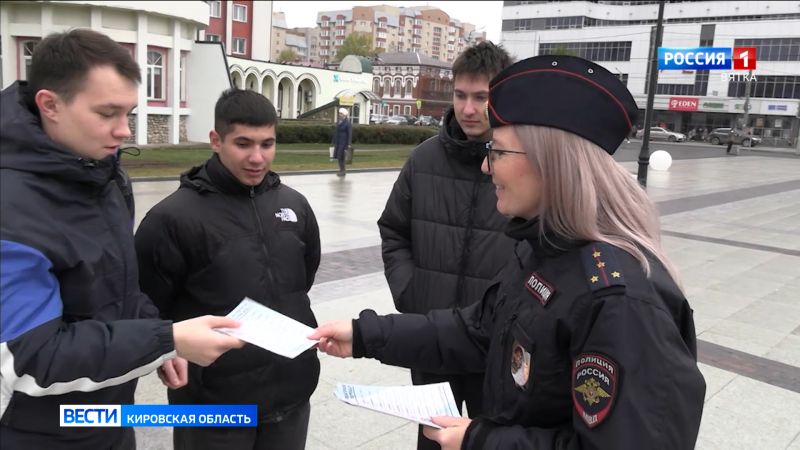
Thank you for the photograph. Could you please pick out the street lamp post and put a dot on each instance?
(644, 154)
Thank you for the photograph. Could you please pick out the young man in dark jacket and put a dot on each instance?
(443, 238)
(232, 230)
(76, 329)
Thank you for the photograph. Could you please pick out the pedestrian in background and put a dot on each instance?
(342, 139)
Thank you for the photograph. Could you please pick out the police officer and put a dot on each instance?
(586, 336)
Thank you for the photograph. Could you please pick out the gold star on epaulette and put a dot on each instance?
(615, 274)
(601, 264)
(596, 254)
(595, 279)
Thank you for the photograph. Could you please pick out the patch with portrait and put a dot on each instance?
(595, 384)
(520, 365)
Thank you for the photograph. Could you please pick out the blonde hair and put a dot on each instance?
(586, 195)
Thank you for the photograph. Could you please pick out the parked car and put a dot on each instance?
(410, 119)
(396, 120)
(658, 133)
(427, 121)
(719, 136)
(378, 118)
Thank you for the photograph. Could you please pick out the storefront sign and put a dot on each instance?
(346, 100)
(777, 108)
(683, 104)
(713, 105)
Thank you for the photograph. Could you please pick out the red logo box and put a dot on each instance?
(744, 58)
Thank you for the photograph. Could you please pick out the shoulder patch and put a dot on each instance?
(600, 266)
(595, 384)
(539, 288)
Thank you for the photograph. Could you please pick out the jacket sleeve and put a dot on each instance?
(395, 229)
(43, 354)
(442, 341)
(162, 268)
(313, 249)
(650, 390)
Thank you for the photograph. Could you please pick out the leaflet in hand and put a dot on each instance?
(415, 403)
(269, 329)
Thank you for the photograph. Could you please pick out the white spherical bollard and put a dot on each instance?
(660, 160)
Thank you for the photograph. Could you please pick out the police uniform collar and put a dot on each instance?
(543, 241)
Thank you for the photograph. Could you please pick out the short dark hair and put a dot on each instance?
(239, 106)
(61, 61)
(483, 58)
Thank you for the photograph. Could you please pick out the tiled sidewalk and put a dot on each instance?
(730, 224)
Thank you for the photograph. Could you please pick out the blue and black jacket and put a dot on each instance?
(69, 291)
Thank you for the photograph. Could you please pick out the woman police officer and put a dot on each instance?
(586, 338)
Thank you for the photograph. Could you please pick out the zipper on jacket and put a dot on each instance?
(265, 247)
(117, 244)
(465, 249)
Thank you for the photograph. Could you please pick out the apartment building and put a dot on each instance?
(425, 29)
(618, 36)
(412, 83)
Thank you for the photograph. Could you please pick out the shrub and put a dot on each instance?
(290, 133)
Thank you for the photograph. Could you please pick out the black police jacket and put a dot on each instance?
(442, 237)
(582, 350)
(215, 241)
(68, 287)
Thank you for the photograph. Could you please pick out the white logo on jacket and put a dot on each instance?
(286, 215)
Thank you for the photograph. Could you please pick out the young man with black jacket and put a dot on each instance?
(76, 329)
(230, 231)
(443, 238)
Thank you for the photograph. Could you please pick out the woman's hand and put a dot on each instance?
(335, 338)
(197, 341)
(451, 435)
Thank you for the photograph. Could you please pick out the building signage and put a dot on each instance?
(683, 104)
(777, 108)
(713, 105)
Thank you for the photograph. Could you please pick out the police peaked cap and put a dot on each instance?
(564, 92)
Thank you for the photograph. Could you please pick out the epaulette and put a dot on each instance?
(600, 265)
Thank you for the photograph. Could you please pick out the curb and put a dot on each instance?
(287, 173)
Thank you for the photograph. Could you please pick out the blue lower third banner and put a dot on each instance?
(158, 415)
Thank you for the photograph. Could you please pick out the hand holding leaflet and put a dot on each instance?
(415, 403)
(269, 329)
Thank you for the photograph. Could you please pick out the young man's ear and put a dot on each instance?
(49, 104)
(216, 141)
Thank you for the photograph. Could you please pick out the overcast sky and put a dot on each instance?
(486, 16)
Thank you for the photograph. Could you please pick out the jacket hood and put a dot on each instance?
(456, 143)
(213, 176)
(25, 146)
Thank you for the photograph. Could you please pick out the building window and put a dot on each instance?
(593, 51)
(182, 70)
(407, 110)
(773, 49)
(239, 45)
(216, 9)
(155, 75)
(768, 86)
(408, 91)
(26, 53)
(212, 37)
(240, 13)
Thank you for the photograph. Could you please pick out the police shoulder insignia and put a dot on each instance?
(595, 384)
(601, 267)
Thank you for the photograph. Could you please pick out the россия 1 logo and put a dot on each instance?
(708, 58)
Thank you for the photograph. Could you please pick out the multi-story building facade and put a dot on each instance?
(252, 45)
(618, 36)
(425, 30)
(160, 36)
(402, 80)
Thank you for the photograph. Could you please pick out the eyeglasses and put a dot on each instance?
(494, 153)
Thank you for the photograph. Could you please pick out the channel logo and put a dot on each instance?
(707, 58)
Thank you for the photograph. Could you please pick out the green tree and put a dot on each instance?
(356, 44)
(287, 55)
